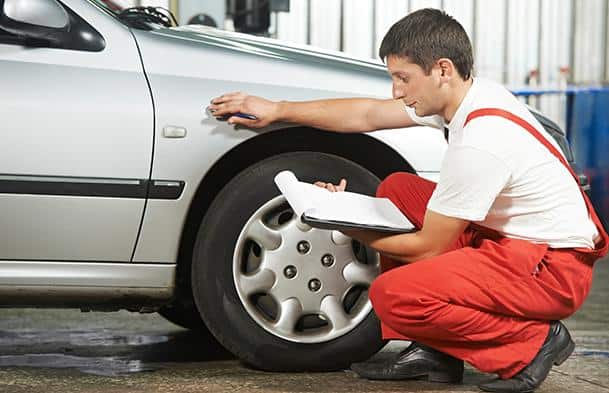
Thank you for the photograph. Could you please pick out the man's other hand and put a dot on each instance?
(265, 111)
(331, 187)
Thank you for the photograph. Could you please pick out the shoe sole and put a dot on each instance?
(430, 377)
(444, 377)
(561, 357)
(565, 353)
(422, 374)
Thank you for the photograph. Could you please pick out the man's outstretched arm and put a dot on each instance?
(339, 115)
(438, 234)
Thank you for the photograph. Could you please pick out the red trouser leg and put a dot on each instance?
(487, 301)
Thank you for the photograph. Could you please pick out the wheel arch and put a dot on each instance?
(356, 147)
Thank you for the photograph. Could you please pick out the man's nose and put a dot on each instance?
(397, 92)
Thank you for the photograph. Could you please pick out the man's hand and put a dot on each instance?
(331, 187)
(266, 111)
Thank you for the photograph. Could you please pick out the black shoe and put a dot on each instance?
(555, 350)
(416, 361)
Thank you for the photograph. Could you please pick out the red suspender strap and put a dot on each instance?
(602, 244)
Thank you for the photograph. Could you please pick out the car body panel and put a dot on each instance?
(70, 113)
(81, 284)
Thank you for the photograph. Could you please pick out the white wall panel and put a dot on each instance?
(555, 39)
(418, 4)
(325, 23)
(387, 13)
(555, 42)
(490, 40)
(292, 26)
(588, 57)
(463, 12)
(358, 34)
(522, 40)
(530, 41)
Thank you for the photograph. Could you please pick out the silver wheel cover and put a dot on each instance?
(287, 289)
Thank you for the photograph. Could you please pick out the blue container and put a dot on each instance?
(588, 127)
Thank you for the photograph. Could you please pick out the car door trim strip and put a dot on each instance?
(90, 187)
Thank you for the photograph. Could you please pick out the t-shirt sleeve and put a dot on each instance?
(429, 121)
(470, 181)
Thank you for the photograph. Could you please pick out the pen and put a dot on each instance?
(226, 117)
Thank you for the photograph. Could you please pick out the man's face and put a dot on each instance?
(414, 87)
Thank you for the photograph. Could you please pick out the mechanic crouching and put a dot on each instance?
(506, 240)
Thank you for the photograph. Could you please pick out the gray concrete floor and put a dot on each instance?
(69, 351)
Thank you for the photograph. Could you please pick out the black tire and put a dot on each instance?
(184, 315)
(212, 269)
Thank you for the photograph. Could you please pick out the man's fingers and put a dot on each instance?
(225, 97)
(327, 186)
(235, 120)
(218, 100)
(218, 110)
(225, 109)
(331, 187)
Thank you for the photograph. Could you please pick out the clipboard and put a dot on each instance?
(342, 225)
(345, 210)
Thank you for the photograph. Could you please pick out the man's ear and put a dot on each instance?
(447, 69)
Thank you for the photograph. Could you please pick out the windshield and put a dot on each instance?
(113, 6)
(139, 17)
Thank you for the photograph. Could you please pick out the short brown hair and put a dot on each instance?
(427, 35)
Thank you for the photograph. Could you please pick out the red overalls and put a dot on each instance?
(489, 298)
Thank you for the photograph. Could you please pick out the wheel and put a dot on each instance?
(281, 295)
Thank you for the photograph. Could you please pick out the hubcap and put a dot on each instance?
(302, 284)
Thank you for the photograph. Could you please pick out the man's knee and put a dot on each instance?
(394, 299)
(389, 295)
(379, 294)
(394, 183)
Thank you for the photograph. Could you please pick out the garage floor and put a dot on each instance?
(69, 351)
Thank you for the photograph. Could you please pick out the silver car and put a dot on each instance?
(118, 191)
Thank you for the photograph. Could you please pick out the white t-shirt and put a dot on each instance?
(495, 173)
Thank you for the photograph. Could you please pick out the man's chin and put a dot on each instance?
(424, 113)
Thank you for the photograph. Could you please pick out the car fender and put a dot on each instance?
(185, 70)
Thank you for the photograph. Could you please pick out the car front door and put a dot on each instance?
(77, 134)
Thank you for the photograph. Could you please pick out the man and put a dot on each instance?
(506, 241)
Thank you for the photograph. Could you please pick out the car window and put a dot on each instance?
(139, 17)
(111, 9)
